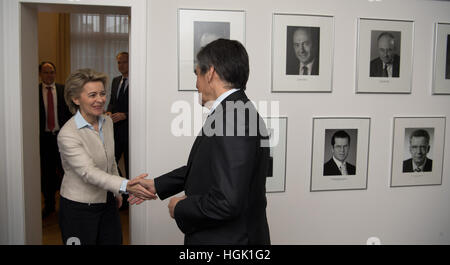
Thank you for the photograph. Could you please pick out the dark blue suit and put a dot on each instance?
(224, 181)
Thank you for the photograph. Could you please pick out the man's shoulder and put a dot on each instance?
(407, 165)
(407, 161)
(329, 163)
(375, 61)
(350, 166)
(396, 59)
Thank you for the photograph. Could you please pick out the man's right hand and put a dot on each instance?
(140, 191)
(148, 184)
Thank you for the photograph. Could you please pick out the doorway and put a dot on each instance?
(31, 232)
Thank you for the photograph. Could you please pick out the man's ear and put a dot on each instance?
(210, 74)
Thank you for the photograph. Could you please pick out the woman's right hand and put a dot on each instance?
(139, 191)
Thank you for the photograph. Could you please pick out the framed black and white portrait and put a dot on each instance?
(302, 53)
(384, 56)
(441, 67)
(276, 173)
(340, 153)
(197, 28)
(418, 150)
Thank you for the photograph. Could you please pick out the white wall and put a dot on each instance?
(414, 215)
(401, 215)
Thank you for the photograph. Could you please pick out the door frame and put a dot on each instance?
(21, 215)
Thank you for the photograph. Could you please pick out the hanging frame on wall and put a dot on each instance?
(340, 152)
(302, 53)
(441, 66)
(276, 175)
(417, 151)
(384, 56)
(196, 28)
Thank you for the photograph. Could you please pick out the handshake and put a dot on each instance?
(142, 189)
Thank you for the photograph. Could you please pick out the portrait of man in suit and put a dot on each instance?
(340, 149)
(387, 62)
(53, 114)
(302, 51)
(208, 31)
(419, 147)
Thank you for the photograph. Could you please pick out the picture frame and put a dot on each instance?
(417, 151)
(198, 27)
(338, 139)
(441, 65)
(276, 176)
(302, 53)
(384, 59)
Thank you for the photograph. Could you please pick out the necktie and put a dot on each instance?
(50, 110)
(385, 72)
(343, 170)
(122, 88)
(417, 170)
(304, 70)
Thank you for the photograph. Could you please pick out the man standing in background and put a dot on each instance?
(118, 110)
(53, 114)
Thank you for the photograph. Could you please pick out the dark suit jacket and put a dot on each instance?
(294, 68)
(119, 105)
(331, 169)
(408, 166)
(376, 67)
(63, 111)
(224, 181)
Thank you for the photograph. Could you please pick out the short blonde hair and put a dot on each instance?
(75, 83)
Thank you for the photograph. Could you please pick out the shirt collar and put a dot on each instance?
(308, 65)
(81, 122)
(221, 98)
(44, 85)
(338, 163)
(420, 167)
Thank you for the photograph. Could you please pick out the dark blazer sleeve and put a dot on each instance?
(114, 87)
(232, 162)
(171, 183)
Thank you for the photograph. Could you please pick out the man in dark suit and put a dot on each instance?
(53, 114)
(388, 62)
(118, 110)
(225, 176)
(419, 146)
(340, 145)
(306, 51)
